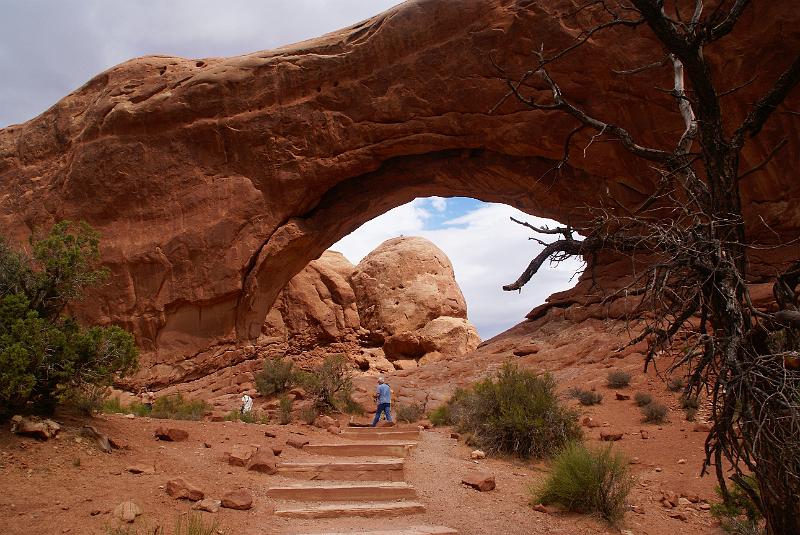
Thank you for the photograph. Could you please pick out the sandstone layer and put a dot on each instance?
(215, 181)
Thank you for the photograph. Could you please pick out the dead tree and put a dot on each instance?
(692, 232)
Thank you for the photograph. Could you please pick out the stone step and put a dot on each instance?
(377, 470)
(313, 491)
(363, 449)
(359, 509)
(410, 530)
(357, 433)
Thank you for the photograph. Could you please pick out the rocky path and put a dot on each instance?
(359, 475)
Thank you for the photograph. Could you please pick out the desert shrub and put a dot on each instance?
(45, 356)
(139, 409)
(516, 412)
(252, 417)
(642, 398)
(112, 405)
(175, 407)
(87, 399)
(655, 413)
(308, 415)
(739, 514)
(276, 376)
(185, 524)
(618, 379)
(676, 384)
(409, 413)
(690, 406)
(588, 481)
(441, 415)
(285, 409)
(330, 385)
(589, 397)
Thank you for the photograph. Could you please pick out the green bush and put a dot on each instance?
(413, 412)
(690, 405)
(676, 384)
(515, 412)
(441, 416)
(588, 481)
(275, 377)
(618, 379)
(588, 397)
(285, 409)
(655, 413)
(252, 417)
(642, 398)
(113, 405)
(739, 514)
(45, 356)
(175, 407)
(330, 385)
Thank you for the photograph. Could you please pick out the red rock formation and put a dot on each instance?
(215, 181)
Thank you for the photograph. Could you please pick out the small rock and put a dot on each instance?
(277, 450)
(240, 499)
(207, 504)
(705, 506)
(183, 490)
(263, 460)
(323, 421)
(644, 434)
(34, 427)
(657, 469)
(635, 460)
(119, 444)
(297, 393)
(270, 434)
(171, 434)
(206, 445)
(334, 430)
(127, 511)
(477, 454)
(701, 427)
(455, 436)
(297, 442)
(546, 509)
(240, 455)
(679, 515)
(681, 461)
(141, 469)
(669, 499)
(130, 416)
(589, 422)
(693, 498)
(526, 350)
(95, 512)
(100, 439)
(481, 481)
(683, 502)
(622, 397)
(610, 436)
(638, 509)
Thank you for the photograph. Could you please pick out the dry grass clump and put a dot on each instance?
(655, 413)
(588, 481)
(618, 379)
(642, 398)
(175, 407)
(410, 413)
(589, 397)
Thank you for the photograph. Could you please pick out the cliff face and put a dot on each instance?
(215, 181)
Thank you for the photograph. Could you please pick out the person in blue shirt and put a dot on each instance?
(383, 396)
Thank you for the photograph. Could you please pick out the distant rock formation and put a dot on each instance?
(400, 307)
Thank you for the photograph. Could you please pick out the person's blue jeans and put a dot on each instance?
(382, 408)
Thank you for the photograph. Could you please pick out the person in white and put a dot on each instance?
(247, 404)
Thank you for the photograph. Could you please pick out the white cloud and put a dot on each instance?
(487, 250)
(438, 203)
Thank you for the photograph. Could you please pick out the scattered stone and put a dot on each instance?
(207, 504)
(705, 506)
(182, 490)
(100, 439)
(669, 499)
(240, 499)
(589, 422)
(130, 416)
(481, 481)
(171, 434)
(610, 436)
(127, 511)
(455, 436)
(297, 442)
(425, 424)
(119, 444)
(271, 434)
(297, 393)
(683, 502)
(141, 469)
(622, 397)
(694, 498)
(638, 509)
(679, 515)
(277, 450)
(263, 460)
(701, 427)
(546, 509)
(635, 460)
(657, 469)
(34, 427)
(323, 421)
(206, 445)
(95, 512)
(334, 430)
(644, 434)
(477, 454)
(240, 455)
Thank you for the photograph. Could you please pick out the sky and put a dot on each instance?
(49, 48)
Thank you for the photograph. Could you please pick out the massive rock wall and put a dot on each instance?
(215, 181)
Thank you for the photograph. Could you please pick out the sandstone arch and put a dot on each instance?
(215, 181)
